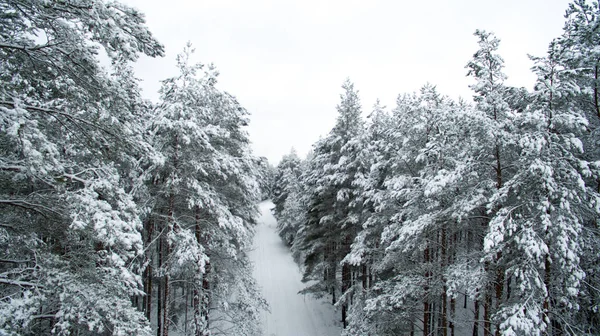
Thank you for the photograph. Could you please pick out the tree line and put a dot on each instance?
(118, 216)
(445, 217)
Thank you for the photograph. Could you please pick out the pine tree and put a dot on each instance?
(206, 193)
(287, 169)
(331, 220)
(70, 226)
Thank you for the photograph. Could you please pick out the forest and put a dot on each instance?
(118, 216)
(443, 217)
(123, 216)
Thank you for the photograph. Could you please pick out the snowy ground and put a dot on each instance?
(292, 314)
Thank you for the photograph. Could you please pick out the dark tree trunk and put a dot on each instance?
(499, 287)
(148, 271)
(159, 294)
(487, 325)
(345, 287)
(206, 297)
(166, 307)
(444, 305)
(171, 225)
(476, 318)
(346, 282)
(196, 300)
(364, 276)
(426, 306)
(452, 315)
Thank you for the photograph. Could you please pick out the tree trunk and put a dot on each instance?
(345, 288)
(170, 227)
(166, 288)
(148, 271)
(499, 287)
(198, 278)
(596, 103)
(487, 306)
(166, 307)
(346, 282)
(159, 295)
(546, 306)
(476, 318)
(205, 309)
(364, 277)
(426, 307)
(508, 281)
(332, 272)
(444, 305)
(186, 296)
(452, 315)
(148, 291)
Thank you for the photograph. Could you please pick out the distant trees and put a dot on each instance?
(115, 212)
(448, 218)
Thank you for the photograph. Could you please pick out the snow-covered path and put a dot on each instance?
(292, 314)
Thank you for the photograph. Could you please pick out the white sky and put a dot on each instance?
(286, 60)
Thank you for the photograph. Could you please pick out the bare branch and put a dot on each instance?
(30, 206)
(19, 283)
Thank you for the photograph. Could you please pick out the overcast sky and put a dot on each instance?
(286, 60)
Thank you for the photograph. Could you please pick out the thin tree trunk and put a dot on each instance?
(332, 272)
(186, 296)
(476, 318)
(364, 277)
(426, 307)
(596, 103)
(198, 327)
(444, 305)
(159, 295)
(148, 271)
(499, 288)
(547, 298)
(198, 278)
(166, 307)
(508, 281)
(370, 277)
(452, 315)
(166, 288)
(487, 306)
(206, 297)
(346, 280)
(345, 287)
(170, 227)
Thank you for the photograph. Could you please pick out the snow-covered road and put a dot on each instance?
(292, 314)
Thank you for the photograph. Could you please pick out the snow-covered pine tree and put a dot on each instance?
(287, 169)
(493, 149)
(294, 209)
(70, 228)
(266, 178)
(547, 206)
(365, 247)
(580, 58)
(420, 182)
(332, 220)
(206, 193)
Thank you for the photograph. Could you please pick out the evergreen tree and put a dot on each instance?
(70, 227)
(287, 170)
(332, 220)
(206, 193)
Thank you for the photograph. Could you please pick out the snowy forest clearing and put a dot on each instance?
(291, 314)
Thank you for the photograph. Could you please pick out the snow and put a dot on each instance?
(291, 314)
